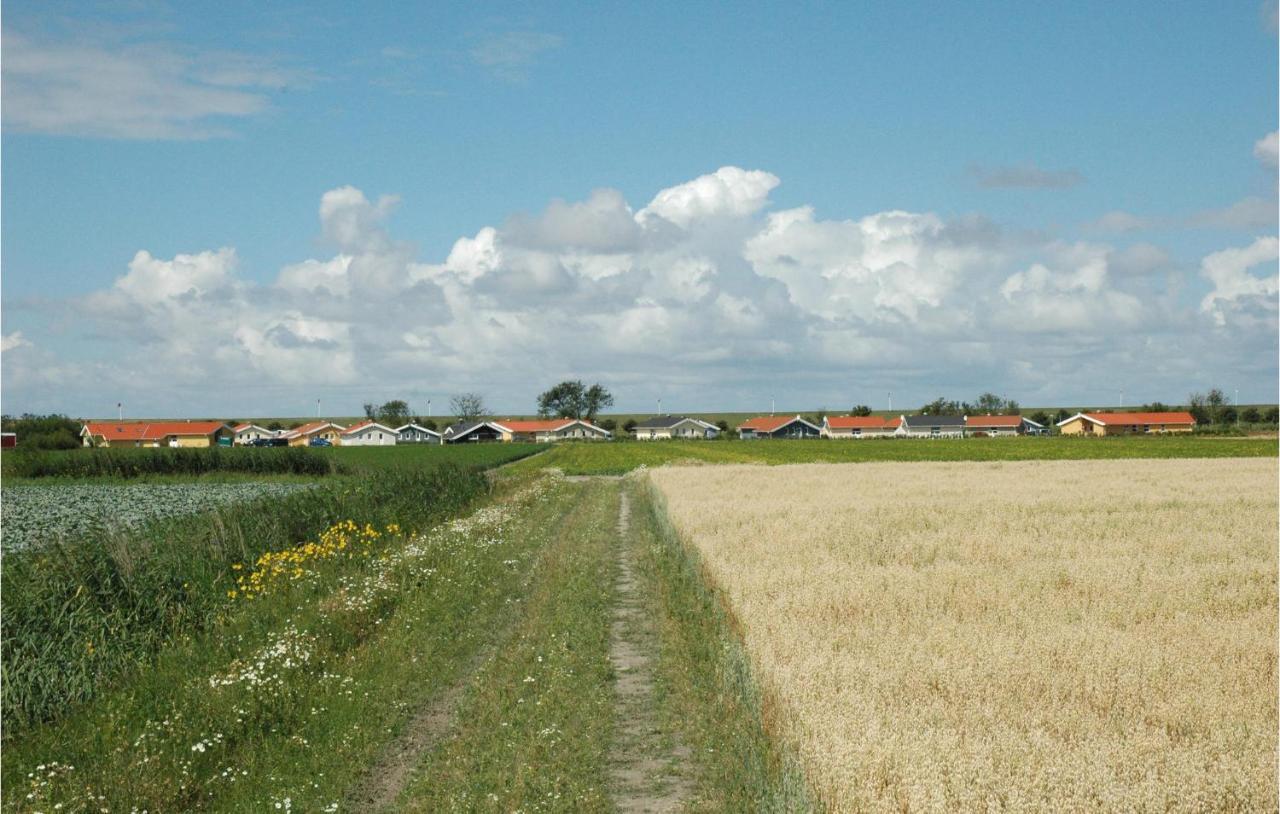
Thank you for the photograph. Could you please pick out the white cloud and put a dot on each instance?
(1267, 148)
(13, 341)
(1233, 286)
(703, 295)
(132, 92)
(1245, 215)
(727, 192)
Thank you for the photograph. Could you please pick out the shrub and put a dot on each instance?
(134, 463)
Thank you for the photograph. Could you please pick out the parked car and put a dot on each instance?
(320, 442)
(269, 442)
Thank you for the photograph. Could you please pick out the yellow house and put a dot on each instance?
(302, 436)
(152, 433)
(1126, 423)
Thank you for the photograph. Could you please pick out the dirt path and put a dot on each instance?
(382, 784)
(645, 762)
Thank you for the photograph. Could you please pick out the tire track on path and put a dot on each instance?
(644, 765)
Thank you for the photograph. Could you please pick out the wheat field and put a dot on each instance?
(1051, 636)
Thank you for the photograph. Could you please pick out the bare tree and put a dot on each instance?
(468, 406)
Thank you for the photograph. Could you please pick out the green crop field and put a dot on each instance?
(621, 457)
(420, 456)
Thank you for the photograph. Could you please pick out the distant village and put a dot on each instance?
(657, 428)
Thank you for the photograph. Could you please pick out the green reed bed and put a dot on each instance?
(147, 462)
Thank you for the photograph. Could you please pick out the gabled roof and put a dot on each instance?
(1125, 419)
(547, 425)
(148, 430)
(464, 427)
(913, 421)
(311, 428)
(364, 425)
(772, 423)
(660, 422)
(996, 421)
(417, 427)
(239, 428)
(860, 422)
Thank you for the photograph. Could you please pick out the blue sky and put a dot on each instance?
(1072, 176)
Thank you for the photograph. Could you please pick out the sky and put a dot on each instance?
(236, 209)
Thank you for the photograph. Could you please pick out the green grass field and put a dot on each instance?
(619, 458)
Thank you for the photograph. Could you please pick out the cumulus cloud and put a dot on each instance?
(727, 192)
(1234, 287)
(1025, 176)
(145, 91)
(1246, 215)
(703, 295)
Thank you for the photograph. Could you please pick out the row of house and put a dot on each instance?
(960, 426)
(372, 433)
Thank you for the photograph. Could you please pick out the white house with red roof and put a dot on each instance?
(780, 426)
(996, 426)
(368, 434)
(549, 430)
(857, 426)
(153, 433)
(1137, 423)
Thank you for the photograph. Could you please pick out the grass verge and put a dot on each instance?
(78, 614)
(618, 458)
(287, 701)
(704, 680)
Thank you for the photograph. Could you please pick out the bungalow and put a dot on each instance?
(368, 434)
(246, 434)
(304, 435)
(153, 433)
(473, 431)
(853, 426)
(414, 434)
(674, 426)
(1126, 423)
(998, 425)
(931, 426)
(555, 429)
(782, 426)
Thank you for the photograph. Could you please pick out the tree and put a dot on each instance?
(573, 399)
(722, 425)
(609, 424)
(1198, 406)
(370, 411)
(860, 410)
(1060, 416)
(597, 399)
(468, 406)
(1215, 401)
(630, 425)
(1272, 415)
(1042, 418)
(1155, 407)
(425, 423)
(1250, 415)
(941, 406)
(394, 413)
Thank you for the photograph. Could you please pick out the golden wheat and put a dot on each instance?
(1074, 635)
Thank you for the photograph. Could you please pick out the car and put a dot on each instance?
(320, 442)
(269, 442)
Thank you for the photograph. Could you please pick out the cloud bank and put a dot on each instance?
(705, 296)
